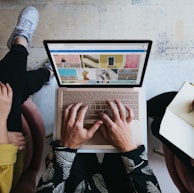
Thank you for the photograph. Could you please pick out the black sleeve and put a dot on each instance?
(58, 166)
(139, 172)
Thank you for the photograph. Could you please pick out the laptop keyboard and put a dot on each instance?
(96, 101)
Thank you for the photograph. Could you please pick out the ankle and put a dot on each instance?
(51, 73)
(20, 40)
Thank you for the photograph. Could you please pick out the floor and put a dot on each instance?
(52, 25)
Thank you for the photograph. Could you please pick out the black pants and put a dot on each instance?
(24, 83)
(112, 170)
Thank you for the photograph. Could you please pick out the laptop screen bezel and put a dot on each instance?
(47, 42)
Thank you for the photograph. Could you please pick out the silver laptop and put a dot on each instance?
(92, 71)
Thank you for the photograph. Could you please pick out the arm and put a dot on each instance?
(5, 107)
(7, 151)
(119, 133)
(58, 166)
(61, 157)
(15, 138)
(139, 172)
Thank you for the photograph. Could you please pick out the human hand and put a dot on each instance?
(118, 130)
(73, 133)
(6, 95)
(17, 139)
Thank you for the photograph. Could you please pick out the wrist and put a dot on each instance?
(3, 135)
(67, 145)
(57, 145)
(3, 125)
(127, 148)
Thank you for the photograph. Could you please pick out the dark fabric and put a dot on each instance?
(141, 179)
(126, 173)
(156, 107)
(35, 79)
(112, 170)
(13, 71)
(84, 166)
(114, 173)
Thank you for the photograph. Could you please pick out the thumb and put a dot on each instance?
(92, 130)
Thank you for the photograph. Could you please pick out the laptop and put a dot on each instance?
(92, 71)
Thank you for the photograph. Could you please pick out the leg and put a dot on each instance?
(84, 166)
(35, 79)
(13, 71)
(114, 173)
(13, 65)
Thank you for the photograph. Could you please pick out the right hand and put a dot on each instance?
(117, 131)
(73, 133)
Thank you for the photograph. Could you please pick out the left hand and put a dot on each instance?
(17, 139)
(73, 133)
(6, 95)
(118, 131)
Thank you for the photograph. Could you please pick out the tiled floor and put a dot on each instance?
(63, 19)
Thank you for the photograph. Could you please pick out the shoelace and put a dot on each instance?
(26, 24)
(25, 27)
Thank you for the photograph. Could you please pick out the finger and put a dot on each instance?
(73, 114)
(19, 134)
(2, 88)
(92, 130)
(66, 113)
(21, 146)
(121, 109)
(104, 131)
(21, 140)
(130, 114)
(22, 143)
(81, 113)
(105, 119)
(65, 119)
(9, 90)
(1, 84)
(114, 109)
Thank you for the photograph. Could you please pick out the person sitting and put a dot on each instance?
(8, 151)
(23, 83)
(69, 171)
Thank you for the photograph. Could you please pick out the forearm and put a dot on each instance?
(139, 171)
(3, 134)
(58, 166)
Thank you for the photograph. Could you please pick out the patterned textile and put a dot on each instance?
(56, 177)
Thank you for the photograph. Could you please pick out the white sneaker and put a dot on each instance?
(48, 66)
(26, 25)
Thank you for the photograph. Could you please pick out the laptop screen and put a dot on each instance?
(98, 62)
